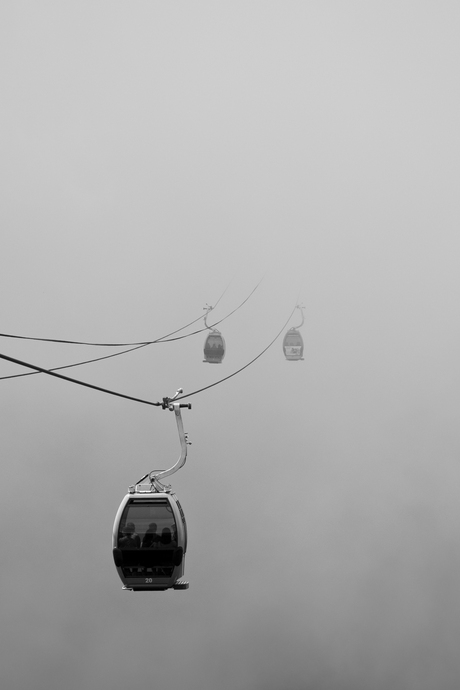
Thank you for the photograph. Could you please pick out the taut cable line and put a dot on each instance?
(138, 346)
(69, 379)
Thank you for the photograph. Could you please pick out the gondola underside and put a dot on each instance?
(150, 569)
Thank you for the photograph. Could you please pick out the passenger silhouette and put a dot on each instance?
(165, 539)
(130, 540)
(151, 537)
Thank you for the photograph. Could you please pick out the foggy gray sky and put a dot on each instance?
(152, 155)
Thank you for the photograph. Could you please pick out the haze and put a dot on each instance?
(156, 157)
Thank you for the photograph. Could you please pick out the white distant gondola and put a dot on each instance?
(293, 343)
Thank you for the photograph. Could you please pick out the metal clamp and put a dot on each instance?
(156, 475)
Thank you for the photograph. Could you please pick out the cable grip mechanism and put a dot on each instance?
(156, 476)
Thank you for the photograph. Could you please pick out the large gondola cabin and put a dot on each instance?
(149, 537)
(150, 541)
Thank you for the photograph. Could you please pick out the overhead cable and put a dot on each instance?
(138, 346)
(144, 342)
(80, 383)
(129, 397)
(76, 364)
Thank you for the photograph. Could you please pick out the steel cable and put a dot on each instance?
(138, 346)
(129, 397)
(143, 342)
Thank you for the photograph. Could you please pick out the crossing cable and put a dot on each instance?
(76, 364)
(180, 337)
(129, 397)
(80, 383)
(163, 339)
(81, 342)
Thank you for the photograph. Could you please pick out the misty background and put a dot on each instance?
(153, 156)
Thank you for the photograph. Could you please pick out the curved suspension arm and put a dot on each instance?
(156, 475)
(301, 307)
(208, 309)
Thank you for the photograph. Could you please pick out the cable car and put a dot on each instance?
(149, 537)
(214, 345)
(214, 348)
(150, 541)
(293, 343)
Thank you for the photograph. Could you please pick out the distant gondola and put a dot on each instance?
(293, 343)
(214, 345)
(214, 348)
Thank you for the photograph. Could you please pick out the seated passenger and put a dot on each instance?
(130, 540)
(165, 539)
(151, 537)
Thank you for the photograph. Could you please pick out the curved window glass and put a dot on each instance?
(147, 523)
(183, 522)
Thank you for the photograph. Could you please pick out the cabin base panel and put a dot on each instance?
(180, 584)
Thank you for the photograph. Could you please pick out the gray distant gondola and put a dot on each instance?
(214, 345)
(214, 348)
(293, 345)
